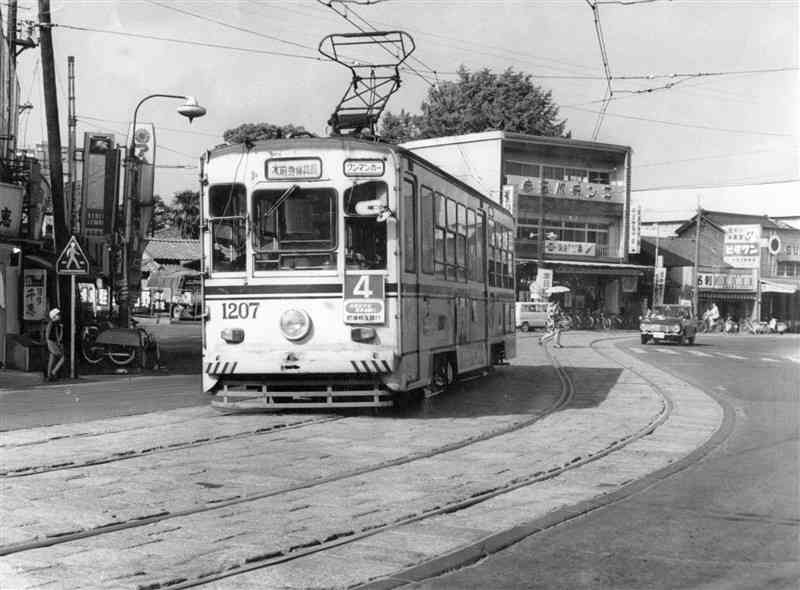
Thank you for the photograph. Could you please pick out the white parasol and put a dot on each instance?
(557, 289)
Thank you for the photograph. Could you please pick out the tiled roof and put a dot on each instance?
(172, 249)
(720, 218)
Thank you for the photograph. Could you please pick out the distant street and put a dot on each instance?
(732, 520)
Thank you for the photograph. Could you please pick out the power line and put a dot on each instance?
(609, 93)
(193, 43)
(701, 158)
(228, 25)
(187, 131)
(687, 125)
(706, 186)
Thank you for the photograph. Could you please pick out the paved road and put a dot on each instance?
(731, 520)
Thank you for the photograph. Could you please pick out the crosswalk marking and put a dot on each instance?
(668, 351)
(732, 356)
(698, 353)
(638, 350)
(769, 360)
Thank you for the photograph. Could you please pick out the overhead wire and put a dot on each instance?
(609, 92)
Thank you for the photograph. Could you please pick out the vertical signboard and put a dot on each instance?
(97, 185)
(34, 293)
(635, 230)
(10, 210)
(742, 245)
(141, 168)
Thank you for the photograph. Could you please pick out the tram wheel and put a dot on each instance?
(444, 373)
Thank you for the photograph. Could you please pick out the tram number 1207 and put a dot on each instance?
(239, 311)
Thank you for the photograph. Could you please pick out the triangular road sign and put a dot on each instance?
(72, 260)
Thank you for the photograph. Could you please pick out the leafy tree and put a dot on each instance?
(162, 216)
(479, 101)
(186, 213)
(255, 131)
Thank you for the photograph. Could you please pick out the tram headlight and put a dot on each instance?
(295, 324)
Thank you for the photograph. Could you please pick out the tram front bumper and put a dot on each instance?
(300, 362)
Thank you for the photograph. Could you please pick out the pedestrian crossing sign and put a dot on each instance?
(72, 260)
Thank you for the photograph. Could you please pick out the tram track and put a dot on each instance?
(342, 537)
(273, 559)
(62, 537)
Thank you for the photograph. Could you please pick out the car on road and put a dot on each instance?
(669, 323)
(531, 315)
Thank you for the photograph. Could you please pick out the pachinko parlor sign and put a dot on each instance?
(595, 191)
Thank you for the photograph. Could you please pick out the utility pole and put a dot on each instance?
(11, 36)
(61, 230)
(696, 274)
(71, 124)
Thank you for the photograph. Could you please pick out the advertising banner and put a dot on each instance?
(34, 288)
(742, 245)
(565, 188)
(10, 209)
(659, 282)
(635, 230)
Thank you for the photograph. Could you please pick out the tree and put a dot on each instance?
(186, 214)
(255, 131)
(162, 216)
(479, 101)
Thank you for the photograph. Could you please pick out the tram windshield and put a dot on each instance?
(294, 229)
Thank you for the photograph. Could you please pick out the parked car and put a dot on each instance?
(669, 323)
(531, 315)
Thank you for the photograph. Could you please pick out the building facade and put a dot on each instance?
(748, 265)
(571, 201)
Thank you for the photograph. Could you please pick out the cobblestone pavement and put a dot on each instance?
(391, 518)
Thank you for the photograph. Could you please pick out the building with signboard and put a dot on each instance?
(749, 265)
(571, 200)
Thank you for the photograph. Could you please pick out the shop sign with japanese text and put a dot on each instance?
(742, 246)
(570, 248)
(739, 281)
(10, 210)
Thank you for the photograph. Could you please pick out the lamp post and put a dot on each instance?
(191, 110)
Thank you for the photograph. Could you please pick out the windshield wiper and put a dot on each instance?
(286, 194)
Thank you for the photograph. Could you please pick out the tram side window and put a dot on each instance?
(472, 247)
(439, 235)
(492, 251)
(426, 218)
(409, 226)
(365, 236)
(480, 223)
(227, 211)
(461, 243)
(450, 243)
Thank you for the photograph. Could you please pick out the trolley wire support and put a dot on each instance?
(374, 77)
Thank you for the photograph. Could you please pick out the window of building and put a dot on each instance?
(521, 169)
(789, 269)
(576, 175)
(553, 172)
(599, 177)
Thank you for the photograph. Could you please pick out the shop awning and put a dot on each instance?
(595, 268)
(784, 286)
(723, 295)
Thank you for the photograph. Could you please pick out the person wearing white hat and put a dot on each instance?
(54, 338)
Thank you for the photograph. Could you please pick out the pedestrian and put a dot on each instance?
(54, 337)
(553, 321)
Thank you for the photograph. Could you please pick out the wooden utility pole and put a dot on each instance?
(696, 274)
(11, 35)
(61, 229)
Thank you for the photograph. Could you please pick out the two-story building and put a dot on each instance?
(571, 200)
(749, 265)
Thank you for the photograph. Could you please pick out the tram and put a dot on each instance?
(344, 272)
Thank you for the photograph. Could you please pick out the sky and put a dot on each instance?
(728, 141)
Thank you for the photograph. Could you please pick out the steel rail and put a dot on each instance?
(64, 537)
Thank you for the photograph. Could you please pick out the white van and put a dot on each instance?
(531, 315)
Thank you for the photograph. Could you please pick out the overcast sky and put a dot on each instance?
(738, 128)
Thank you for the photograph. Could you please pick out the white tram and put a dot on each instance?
(340, 272)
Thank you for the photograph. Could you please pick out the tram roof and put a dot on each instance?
(345, 141)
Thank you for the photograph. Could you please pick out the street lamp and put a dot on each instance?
(189, 109)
